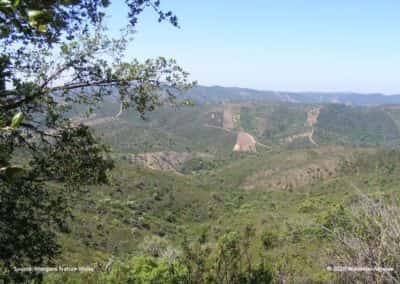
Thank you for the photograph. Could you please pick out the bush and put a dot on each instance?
(197, 164)
(154, 246)
(337, 217)
(370, 240)
(269, 239)
(146, 270)
(308, 206)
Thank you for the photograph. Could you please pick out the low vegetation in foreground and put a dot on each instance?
(153, 226)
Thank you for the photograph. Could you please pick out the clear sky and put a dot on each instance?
(293, 45)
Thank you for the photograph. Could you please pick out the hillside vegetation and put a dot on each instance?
(218, 94)
(179, 190)
(213, 128)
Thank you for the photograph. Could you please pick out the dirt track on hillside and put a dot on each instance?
(312, 116)
(307, 135)
(312, 119)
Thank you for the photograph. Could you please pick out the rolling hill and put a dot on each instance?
(218, 94)
(178, 179)
(215, 128)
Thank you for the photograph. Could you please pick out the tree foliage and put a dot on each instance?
(227, 262)
(370, 240)
(54, 56)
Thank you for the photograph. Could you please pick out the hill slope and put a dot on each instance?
(216, 128)
(177, 180)
(217, 94)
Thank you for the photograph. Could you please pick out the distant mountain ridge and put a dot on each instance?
(218, 94)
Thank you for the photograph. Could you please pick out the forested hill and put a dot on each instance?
(218, 94)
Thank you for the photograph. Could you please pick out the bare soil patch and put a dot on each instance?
(245, 143)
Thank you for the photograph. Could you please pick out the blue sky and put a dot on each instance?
(293, 45)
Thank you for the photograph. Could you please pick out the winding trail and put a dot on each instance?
(311, 138)
(312, 119)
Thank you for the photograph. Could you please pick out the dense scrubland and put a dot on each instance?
(234, 217)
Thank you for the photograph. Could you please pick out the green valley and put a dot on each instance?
(178, 181)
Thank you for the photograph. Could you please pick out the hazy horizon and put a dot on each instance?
(302, 91)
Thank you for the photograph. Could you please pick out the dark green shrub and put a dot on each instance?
(269, 239)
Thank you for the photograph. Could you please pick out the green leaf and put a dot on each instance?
(64, 48)
(32, 14)
(42, 28)
(33, 23)
(12, 172)
(188, 103)
(16, 3)
(17, 119)
(5, 3)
